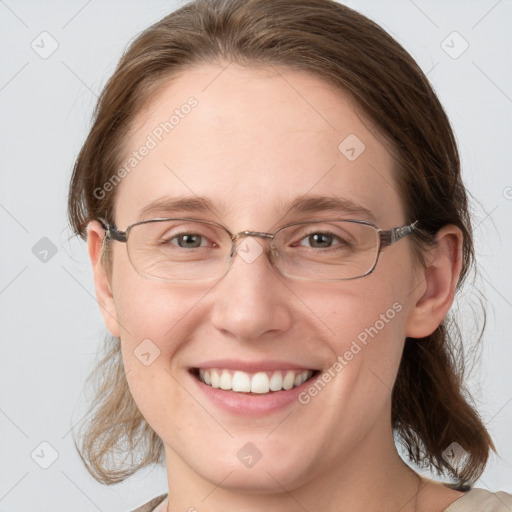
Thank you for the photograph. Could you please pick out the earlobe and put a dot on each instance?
(102, 284)
(437, 283)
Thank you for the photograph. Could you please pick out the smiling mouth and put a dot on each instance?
(263, 382)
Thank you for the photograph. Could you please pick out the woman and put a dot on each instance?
(272, 200)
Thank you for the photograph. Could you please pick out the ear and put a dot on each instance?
(102, 283)
(436, 283)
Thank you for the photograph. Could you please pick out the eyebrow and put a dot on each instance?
(304, 204)
(314, 203)
(180, 204)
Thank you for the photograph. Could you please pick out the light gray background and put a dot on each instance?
(50, 323)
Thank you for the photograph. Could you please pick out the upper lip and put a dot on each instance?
(252, 366)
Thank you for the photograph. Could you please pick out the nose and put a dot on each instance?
(251, 301)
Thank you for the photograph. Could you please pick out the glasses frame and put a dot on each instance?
(385, 239)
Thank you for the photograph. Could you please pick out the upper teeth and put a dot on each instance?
(260, 382)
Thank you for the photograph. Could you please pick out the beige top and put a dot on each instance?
(476, 500)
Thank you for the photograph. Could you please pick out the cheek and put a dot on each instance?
(157, 313)
(149, 309)
(364, 323)
(156, 323)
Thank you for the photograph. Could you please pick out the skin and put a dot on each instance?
(258, 138)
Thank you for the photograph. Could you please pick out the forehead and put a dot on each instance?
(250, 142)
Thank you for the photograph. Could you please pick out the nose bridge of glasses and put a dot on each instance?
(259, 234)
(244, 234)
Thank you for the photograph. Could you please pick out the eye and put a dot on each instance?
(183, 235)
(318, 240)
(323, 240)
(189, 241)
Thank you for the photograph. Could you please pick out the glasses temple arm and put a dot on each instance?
(395, 234)
(112, 232)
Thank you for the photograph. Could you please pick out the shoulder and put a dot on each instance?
(482, 501)
(150, 505)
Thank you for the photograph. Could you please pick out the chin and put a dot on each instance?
(266, 470)
(257, 480)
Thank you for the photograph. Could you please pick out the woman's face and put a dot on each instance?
(253, 142)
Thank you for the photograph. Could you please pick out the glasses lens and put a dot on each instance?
(327, 250)
(187, 250)
(179, 250)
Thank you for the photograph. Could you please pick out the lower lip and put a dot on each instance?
(245, 404)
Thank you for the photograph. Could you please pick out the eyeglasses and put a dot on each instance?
(186, 249)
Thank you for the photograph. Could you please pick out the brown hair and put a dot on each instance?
(430, 407)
